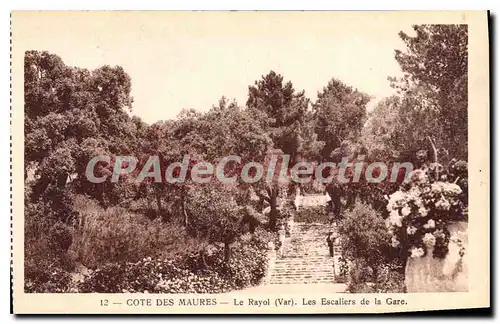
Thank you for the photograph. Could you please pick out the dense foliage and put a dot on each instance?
(192, 273)
(421, 211)
(432, 99)
(366, 247)
(212, 237)
(425, 124)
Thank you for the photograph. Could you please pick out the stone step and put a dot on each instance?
(332, 278)
(300, 282)
(308, 277)
(305, 257)
(298, 261)
(309, 268)
(304, 273)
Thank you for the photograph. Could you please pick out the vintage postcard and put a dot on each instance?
(250, 162)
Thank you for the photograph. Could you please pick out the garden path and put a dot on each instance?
(305, 263)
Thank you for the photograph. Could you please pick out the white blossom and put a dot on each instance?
(452, 189)
(396, 200)
(430, 224)
(429, 239)
(437, 187)
(417, 252)
(418, 202)
(418, 176)
(395, 219)
(405, 211)
(410, 230)
(423, 211)
(443, 204)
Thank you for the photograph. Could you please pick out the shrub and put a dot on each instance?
(43, 278)
(47, 266)
(44, 269)
(61, 236)
(420, 213)
(208, 282)
(248, 262)
(186, 274)
(366, 245)
(363, 236)
(387, 278)
(115, 235)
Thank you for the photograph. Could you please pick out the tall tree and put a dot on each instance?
(339, 115)
(71, 113)
(215, 215)
(435, 63)
(288, 121)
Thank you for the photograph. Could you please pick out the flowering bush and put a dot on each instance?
(186, 274)
(420, 212)
(387, 278)
(48, 278)
(152, 276)
(248, 263)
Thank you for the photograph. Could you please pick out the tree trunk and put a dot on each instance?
(186, 219)
(227, 252)
(335, 194)
(203, 258)
(273, 214)
(158, 202)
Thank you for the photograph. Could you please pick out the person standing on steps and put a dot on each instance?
(330, 240)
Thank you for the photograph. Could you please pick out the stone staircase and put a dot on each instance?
(305, 258)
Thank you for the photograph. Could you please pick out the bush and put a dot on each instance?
(248, 262)
(363, 236)
(61, 236)
(44, 269)
(47, 266)
(387, 278)
(186, 274)
(140, 276)
(48, 277)
(114, 242)
(116, 235)
(309, 215)
(366, 244)
(421, 211)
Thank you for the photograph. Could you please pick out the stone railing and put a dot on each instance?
(429, 274)
(273, 252)
(271, 261)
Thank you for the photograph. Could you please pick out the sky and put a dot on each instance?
(182, 60)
